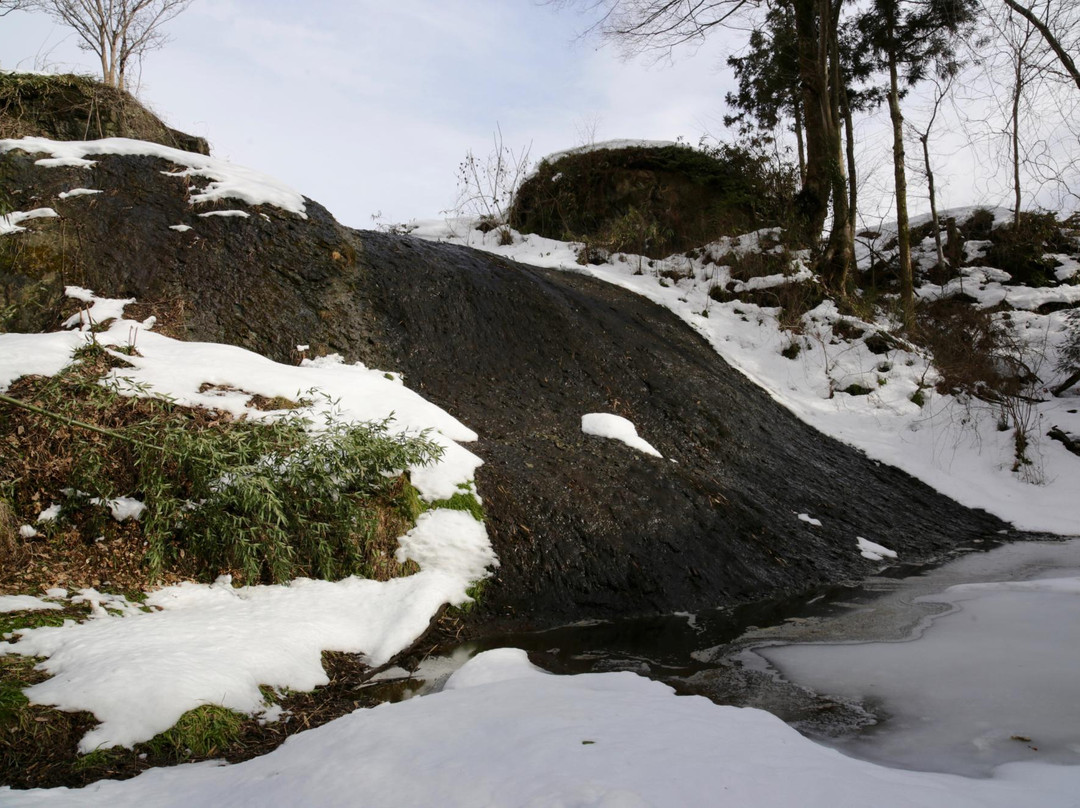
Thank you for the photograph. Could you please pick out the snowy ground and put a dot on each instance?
(502, 733)
(138, 670)
(953, 445)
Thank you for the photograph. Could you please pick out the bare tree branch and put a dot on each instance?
(1048, 35)
(119, 32)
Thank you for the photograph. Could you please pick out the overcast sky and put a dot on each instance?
(370, 106)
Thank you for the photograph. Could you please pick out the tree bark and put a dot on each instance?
(797, 111)
(1018, 89)
(813, 200)
(838, 259)
(903, 231)
(933, 200)
(849, 135)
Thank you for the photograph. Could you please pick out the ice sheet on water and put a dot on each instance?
(989, 681)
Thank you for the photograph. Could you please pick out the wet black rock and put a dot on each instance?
(585, 527)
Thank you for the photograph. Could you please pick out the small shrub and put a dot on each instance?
(1020, 248)
(262, 500)
(756, 264)
(857, 390)
(979, 225)
(791, 350)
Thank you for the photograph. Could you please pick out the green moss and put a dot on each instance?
(463, 501)
(200, 733)
(15, 621)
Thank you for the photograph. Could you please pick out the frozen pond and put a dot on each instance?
(958, 668)
(989, 673)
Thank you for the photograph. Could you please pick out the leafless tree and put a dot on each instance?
(941, 90)
(8, 6)
(1053, 20)
(119, 32)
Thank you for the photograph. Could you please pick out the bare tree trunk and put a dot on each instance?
(813, 199)
(1018, 88)
(849, 133)
(797, 108)
(933, 199)
(903, 231)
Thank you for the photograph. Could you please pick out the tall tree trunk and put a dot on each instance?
(797, 111)
(849, 134)
(933, 200)
(903, 232)
(1018, 89)
(812, 203)
(838, 259)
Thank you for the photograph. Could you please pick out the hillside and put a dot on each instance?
(580, 440)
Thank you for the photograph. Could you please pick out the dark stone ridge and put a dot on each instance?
(585, 527)
(74, 107)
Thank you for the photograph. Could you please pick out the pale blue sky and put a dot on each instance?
(367, 106)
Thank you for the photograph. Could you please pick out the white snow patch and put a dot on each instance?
(27, 531)
(25, 603)
(227, 181)
(123, 508)
(99, 310)
(805, 517)
(503, 733)
(607, 425)
(9, 223)
(78, 192)
(872, 551)
(50, 513)
(180, 228)
(240, 214)
(451, 541)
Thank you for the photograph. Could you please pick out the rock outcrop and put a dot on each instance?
(585, 527)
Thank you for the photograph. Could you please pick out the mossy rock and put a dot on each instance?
(653, 201)
(73, 107)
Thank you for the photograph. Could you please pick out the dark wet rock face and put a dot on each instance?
(585, 527)
(74, 107)
(268, 282)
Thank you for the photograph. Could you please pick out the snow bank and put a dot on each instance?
(25, 603)
(227, 181)
(139, 671)
(505, 734)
